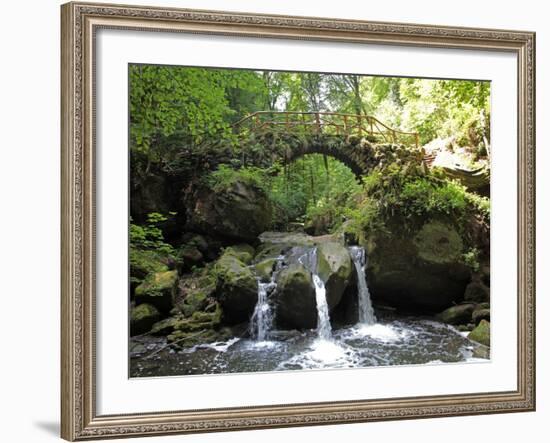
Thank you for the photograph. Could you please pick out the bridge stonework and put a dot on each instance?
(361, 142)
(357, 153)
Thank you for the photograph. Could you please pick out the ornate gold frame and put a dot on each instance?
(79, 420)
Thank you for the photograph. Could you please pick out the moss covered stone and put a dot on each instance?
(438, 243)
(158, 289)
(236, 288)
(142, 318)
(143, 263)
(416, 266)
(240, 211)
(481, 314)
(264, 269)
(481, 333)
(295, 298)
(187, 257)
(243, 252)
(455, 315)
(334, 267)
(477, 292)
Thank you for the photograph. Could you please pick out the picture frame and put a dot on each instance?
(80, 242)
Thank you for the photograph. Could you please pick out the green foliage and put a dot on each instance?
(423, 195)
(225, 176)
(471, 259)
(149, 236)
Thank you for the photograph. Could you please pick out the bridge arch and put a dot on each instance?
(361, 142)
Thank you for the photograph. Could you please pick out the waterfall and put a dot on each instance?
(262, 318)
(261, 321)
(366, 312)
(324, 329)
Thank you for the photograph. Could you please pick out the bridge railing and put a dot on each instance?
(332, 123)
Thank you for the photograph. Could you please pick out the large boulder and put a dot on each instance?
(158, 289)
(240, 211)
(236, 288)
(417, 269)
(295, 305)
(335, 268)
(142, 318)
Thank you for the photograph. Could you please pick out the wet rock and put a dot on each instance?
(270, 251)
(236, 288)
(158, 289)
(481, 351)
(264, 269)
(241, 211)
(334, 266)
(455, 315)
(295, 306)
(142, 318)
(481, 333)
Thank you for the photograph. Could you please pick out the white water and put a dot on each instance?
(366, 312)
(324, 330)
(262, 317)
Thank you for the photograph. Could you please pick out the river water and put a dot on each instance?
(396, 341)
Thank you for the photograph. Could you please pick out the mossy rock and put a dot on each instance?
(200, 320)
(481, 333)
(455, 315)
(236, 288)
(416, 266)
(477, 292)
(158, 289)
(286, 238)
(264, 269)
(270, 251)
(335, 268)
(438, 243)
(194, 302)
(481, 314)
(243, 252)
(165, 326)
(142, 318)
(240, 211)
(295, 305)
(143, 263)
(183, 339)
(187, 257)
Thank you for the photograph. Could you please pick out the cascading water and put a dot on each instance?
(324, 329)
(262, 317)
(366, 312)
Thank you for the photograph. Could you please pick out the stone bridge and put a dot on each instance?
(361, 142)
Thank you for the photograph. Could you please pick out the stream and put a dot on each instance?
(381, 339)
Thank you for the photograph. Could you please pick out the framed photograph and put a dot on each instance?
(283, 221)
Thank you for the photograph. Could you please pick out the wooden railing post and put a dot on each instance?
(318, 121)
(315, 120)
